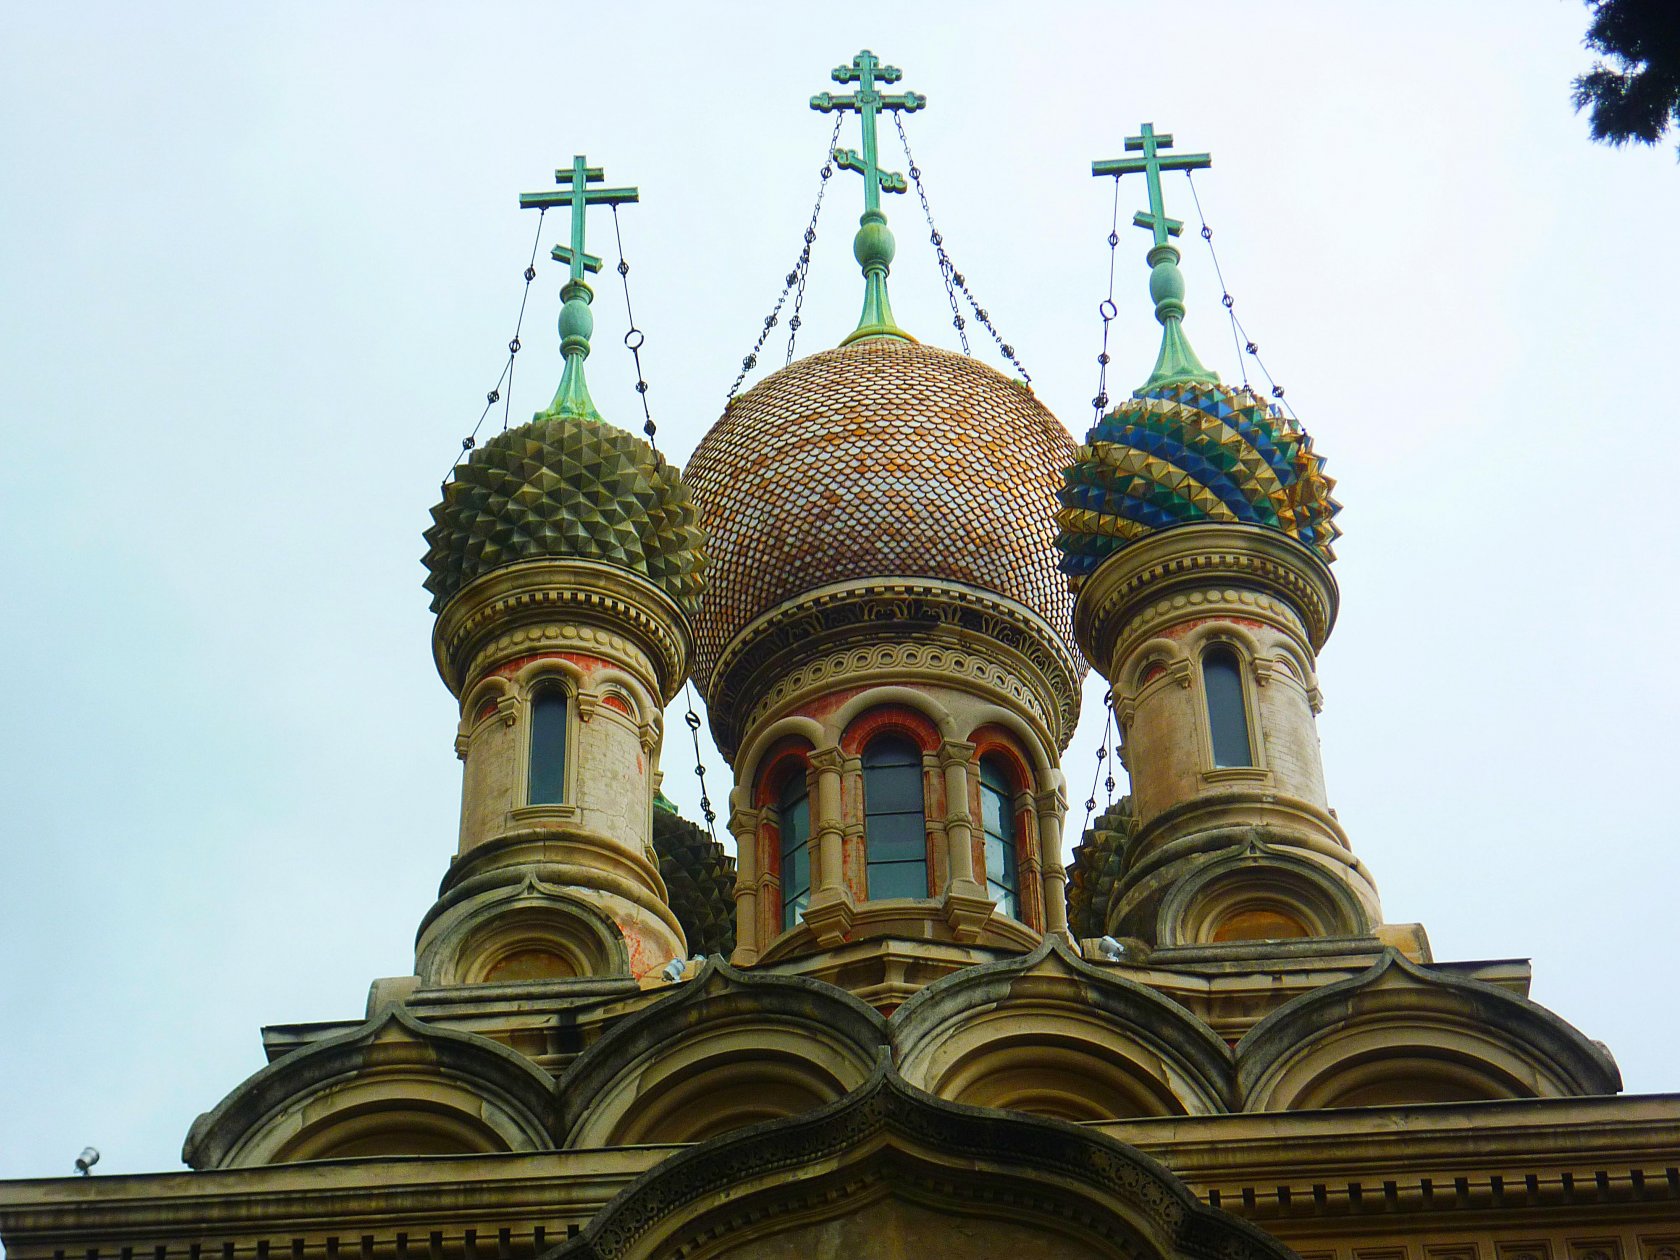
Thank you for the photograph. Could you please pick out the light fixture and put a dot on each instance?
(673, 970)
(86, 1160)
(1111, 949)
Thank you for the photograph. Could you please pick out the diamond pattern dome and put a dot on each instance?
(884, 458)
(566, 487)
(1191, 452)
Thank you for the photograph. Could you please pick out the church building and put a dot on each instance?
(904, 1017)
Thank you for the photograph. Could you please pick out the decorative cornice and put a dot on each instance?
(560, 603)
(1178, 563)
(1053, 1170)
(903, 623)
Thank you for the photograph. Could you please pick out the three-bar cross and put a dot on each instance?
(868, 102)
(1151, 164)
(576, 193)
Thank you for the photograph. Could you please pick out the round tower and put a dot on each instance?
(565, 564)
(1197, 529)
(885, 645)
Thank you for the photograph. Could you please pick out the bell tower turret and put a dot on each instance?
(1196, 529)
(565, 564)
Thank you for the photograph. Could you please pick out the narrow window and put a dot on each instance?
(793, 809)
(895, 831)
(1227, 714)
(548, 747)
(997, 819)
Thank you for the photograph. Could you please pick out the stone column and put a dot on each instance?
(830, 913)
(1051, 809)
(743, 825)
(966, 905)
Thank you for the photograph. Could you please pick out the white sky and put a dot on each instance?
(259, 267)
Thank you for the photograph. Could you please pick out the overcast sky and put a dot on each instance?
(259, 266)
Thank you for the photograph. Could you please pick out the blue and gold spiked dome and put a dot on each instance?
(1185, 448)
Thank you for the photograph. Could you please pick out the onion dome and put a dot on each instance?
(880, 459)
(566, 486)
(1191, 450)
(699, 880)
(1098, 862)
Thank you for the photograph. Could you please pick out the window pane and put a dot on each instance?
(892, 789)
(795, 823)
(897, 879)
(1227, 715)
(548, 748)
(891, 751)
(794, 819)
(897, 838)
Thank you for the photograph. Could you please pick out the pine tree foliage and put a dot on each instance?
(1635, 94)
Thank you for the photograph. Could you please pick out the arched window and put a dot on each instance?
(1227, 711)
(548, 747)
(793, 813)
(894, 829)
(997, 820)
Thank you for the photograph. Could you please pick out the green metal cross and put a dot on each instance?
(1151, 164)
(1176, 364)
(868, 103)
(576, 323)
(579, 196)
(873, 246)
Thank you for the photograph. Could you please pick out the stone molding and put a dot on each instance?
(1190, 559)
(888, 1136)
(555, 603)
(809, 643)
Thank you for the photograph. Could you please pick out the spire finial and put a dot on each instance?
(576, 323)
(1177, 363)
(873, 246)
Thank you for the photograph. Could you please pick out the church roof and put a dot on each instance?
(1191, 451)
(883, 458)
(572, 487)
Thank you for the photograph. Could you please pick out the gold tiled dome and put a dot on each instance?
(884, 458)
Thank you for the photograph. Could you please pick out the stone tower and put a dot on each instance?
(1197, 528)
(565, 564)
(885, 645)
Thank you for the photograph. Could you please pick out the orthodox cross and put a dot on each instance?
(579, 196)
(1151, 164)
(868, 102)
(873, 246)
(576, 323)
(1177, 363)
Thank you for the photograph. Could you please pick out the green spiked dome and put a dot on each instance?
(566, 486)
(1188, 451)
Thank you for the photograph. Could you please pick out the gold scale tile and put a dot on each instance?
(882, 459)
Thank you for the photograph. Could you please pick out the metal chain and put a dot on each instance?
(634, 340)
(1239, 335)
(796, 276)
(1107, 309)
(954, 281)
(505, 380)
(1103, 761)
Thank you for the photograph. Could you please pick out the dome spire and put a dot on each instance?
(873, 246)
(576, 322)
(1177, 363)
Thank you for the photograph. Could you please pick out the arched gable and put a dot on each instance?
(1399, 1033)
(1052, 1035)
(394, 1086)
(891, 1170)
(726, 1050)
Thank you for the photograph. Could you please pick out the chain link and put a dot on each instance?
(634, 340)
(1105, 760)
(1239, 335)
(1107, 309)
(796, 276)
(503, 388)
(954, 281)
